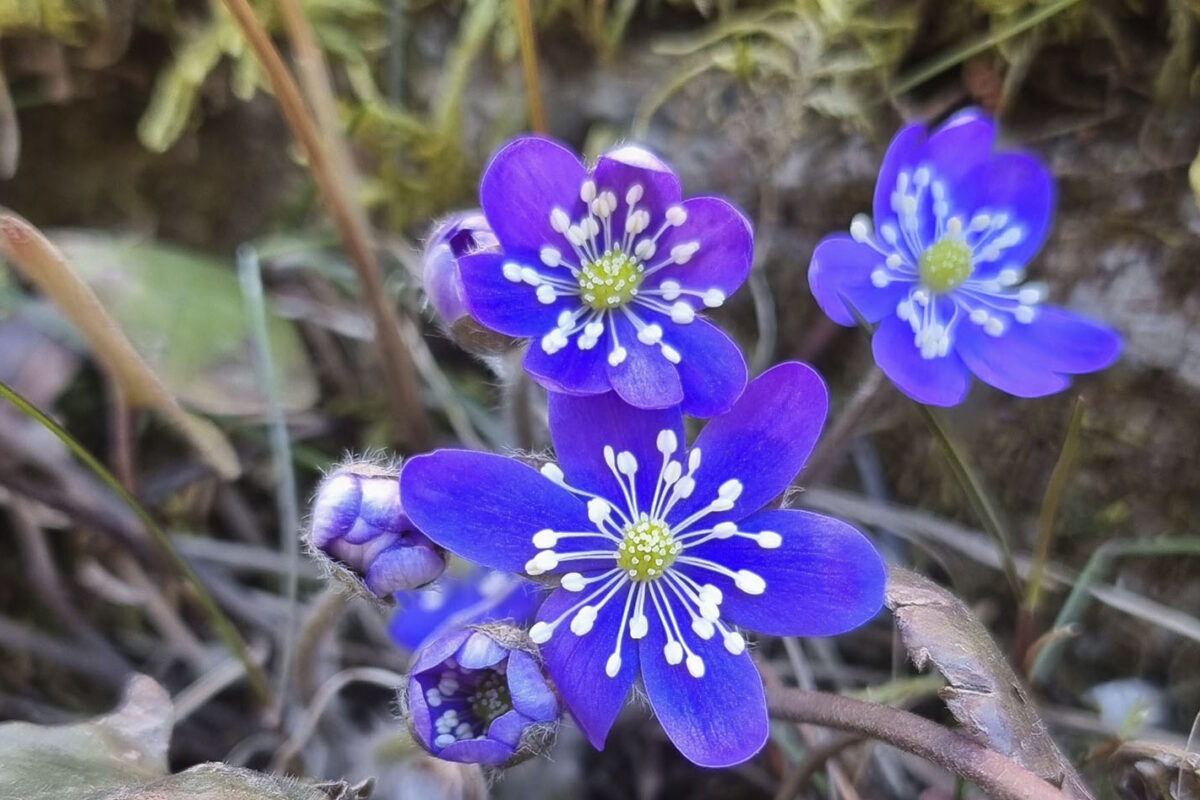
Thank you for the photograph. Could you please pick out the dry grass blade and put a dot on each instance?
(397, 365)
(43, 264)
(984, 693)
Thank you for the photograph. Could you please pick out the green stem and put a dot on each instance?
(221, 624)
(1072, 610)
(1051, 503)
(977, 496)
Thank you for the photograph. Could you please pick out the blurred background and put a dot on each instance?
(145, 139)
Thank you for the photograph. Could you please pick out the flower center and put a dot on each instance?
(491, 699)
(647, 550)
(610, 281)
(946, 265)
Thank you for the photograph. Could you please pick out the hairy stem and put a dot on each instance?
(992, 772)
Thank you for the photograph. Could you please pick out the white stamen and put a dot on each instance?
(682, 313)
(671, 354)
(573, 582)
(670, 290)
(695, 665)
(645, 249)
(512, 271)
(735, 643)
(544, 539)
(651, 334)
(587, 192)
(769, 540)
(583, 621)
(860, 228)
(879, 278)
(749, 582)
(546, 294)
(676, 216)
(713, 298)
(551, 256)
(667, 442)
(633, 194)
(673, 651)
(540, 633)
(598, 510)
(613, 665)
(553, 472)
(617, 356)
(559, 220)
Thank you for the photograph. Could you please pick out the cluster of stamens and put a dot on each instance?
(945, 289)
(607, 276)
(644, 546)
(468, 704)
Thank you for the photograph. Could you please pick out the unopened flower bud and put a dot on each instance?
(478, 696)
(360, 526)
(461, 234)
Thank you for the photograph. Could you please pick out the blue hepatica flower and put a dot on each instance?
(454, 237)
(477, 696)
(458, 599)
(662, 552)
(943, 271)
(605, 271)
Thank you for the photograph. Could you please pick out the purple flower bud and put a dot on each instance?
(359, 525)
(454, 237)
(463, 234)
(478, 696)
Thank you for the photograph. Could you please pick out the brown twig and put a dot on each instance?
(529, 65)
(995, 774)
(398, 371)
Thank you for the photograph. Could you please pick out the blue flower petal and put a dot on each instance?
(577, 664)
(645, 379)
(486, 508)
(480, 651)
(404, 565)
(508, 728)
(509, 308)
(477, 751)
(621, 168)
(1020, 185)
(958, 147)
(570, 370)
(941, 381)
(527, 686)
(902, 154)
(438, 650)
(841, 271)
(763, 441)
(711, 369)
(1033, 360)
(582, 427)
(525, 180)
(1010, 369)
(717, 720)
(824, 579)
(726, 252)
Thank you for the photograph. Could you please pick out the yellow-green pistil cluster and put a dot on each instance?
(491, 699)
(946, 265)
(610, 281)
(647, 550)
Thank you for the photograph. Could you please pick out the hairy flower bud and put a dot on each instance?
(359, 525)
(478, 695)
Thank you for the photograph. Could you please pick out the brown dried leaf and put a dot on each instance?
(984, 694)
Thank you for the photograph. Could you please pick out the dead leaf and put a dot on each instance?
(984, 694)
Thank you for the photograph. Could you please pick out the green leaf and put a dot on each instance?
(126, 747)
(183, 312)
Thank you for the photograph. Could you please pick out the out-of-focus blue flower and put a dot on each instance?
(942, 270)
(458, 599)
(458, 235)
(478, 695)
(606, 271)
(661, 553)
(359, 525)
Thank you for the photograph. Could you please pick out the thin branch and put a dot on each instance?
(529, 64)
(398, 370)
(992, 772)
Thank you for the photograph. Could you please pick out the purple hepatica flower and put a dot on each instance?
(662, 553)
(478, 695)
(456, 600)
(458, 235)
(605, 270)
(955, 225)
(359, 526)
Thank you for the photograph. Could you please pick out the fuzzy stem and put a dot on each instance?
(992, 772)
